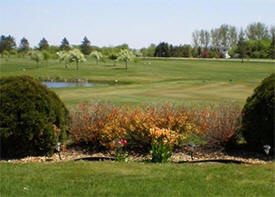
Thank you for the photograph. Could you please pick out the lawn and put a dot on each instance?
(178, 81)
(136, 179)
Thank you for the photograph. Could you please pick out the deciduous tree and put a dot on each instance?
(97, 55)
(257, 31)
(36, 56)
(242, 48)
(126, 56)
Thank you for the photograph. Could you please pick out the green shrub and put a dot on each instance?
(258, 116)
(32, 117)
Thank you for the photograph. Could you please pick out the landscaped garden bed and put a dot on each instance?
(183, 156)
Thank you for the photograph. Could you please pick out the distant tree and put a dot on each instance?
(53, 50)
(272, 45)
(215, 40)
(36, 56)
(186, 51)
(233, 37)
(224, 36)
(199, 51)
(63, 57)
(97, 55)
(258, 48)
(149, 52)
(123, 46)
(126, 56)
(7, 43)
(202, 38)
(2, 44)
(257, 31)
(195, 52)
(43, 44)
(24, 46)
(162, 50)
(65, 45)
(196, 38)
(137, 52)
(214, 53)
(76, 56)
(242, 48)
(46, 56)
(206, 39)
(113, 56)
(85, 46)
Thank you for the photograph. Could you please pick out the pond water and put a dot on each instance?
(71, 84)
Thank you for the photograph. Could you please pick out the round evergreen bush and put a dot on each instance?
(258, 116)
(32, 117)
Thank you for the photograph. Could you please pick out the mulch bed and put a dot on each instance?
(185, 155)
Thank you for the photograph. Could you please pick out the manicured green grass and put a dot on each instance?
(136, 179)
(178, 81)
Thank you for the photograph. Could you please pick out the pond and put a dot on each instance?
(71, 84)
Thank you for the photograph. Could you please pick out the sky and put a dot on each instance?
(135, 22)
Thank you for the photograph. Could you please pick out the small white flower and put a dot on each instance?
(26, 188)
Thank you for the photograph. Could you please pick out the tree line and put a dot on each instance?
(256, 41)
(8, 44)
(65, 52)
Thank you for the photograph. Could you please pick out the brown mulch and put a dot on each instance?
(181, 156)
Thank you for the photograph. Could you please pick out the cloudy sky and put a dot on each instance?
(136, 22)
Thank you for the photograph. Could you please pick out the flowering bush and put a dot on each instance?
(166, 136)
(138, 123)
(162, 144)
(100, 124)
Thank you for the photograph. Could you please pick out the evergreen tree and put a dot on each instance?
(7, 43)
(272, 46)
(65, 45)
(43, 44)
(85, 46)
(24, 45)
(162, 50)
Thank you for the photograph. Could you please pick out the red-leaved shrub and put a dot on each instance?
(218, 124)
(97, 124)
